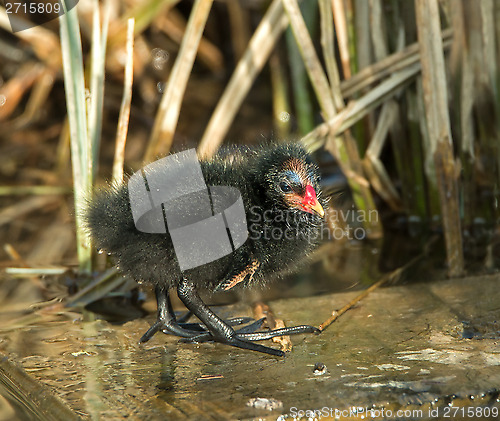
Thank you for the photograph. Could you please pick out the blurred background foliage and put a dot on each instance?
(398, 98)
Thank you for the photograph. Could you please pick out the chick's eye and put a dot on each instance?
(285, 187)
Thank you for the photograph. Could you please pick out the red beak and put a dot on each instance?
(310, 202)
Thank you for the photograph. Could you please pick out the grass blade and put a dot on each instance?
(121, 135)
(98, 54)
(76, 105)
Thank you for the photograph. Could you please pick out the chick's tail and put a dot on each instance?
(108, 217)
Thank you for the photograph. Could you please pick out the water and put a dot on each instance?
(402, 348)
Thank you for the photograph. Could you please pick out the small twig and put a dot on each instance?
(42, 88)
(261, 310)
(16, 87)
(210, 377)
(41, 271)
(388, 277)
(121, 135)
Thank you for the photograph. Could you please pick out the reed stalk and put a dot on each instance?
(272, 25)
(340, 19)
(345, 150)
(309, 57)
(143, 14)
(300, 86)
(281, 103)
(357, 109)
(303, 100)
(80, 143)
(121, 134)
(438, 123)
(327, 37)
(84, 115)
(240, 27)
(387, 66)
(167, 116)
(33, 190)
(98, 58)
(362, 29)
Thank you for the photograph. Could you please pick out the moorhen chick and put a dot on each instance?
(280, 191)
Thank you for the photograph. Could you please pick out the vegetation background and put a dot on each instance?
(401, 96)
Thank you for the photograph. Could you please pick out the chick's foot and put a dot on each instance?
(220, 331)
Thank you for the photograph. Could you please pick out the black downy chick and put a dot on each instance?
(280, 189)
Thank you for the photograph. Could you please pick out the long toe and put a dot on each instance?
(236, 342)
(174, 329)
(252, 327)
(241, 343)
(207, 336)
(248, 333)
(261, 336)
(235, 321)
(151, 332)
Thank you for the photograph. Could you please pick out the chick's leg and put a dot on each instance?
(182, 321)
(166, 320)
(219, 330)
